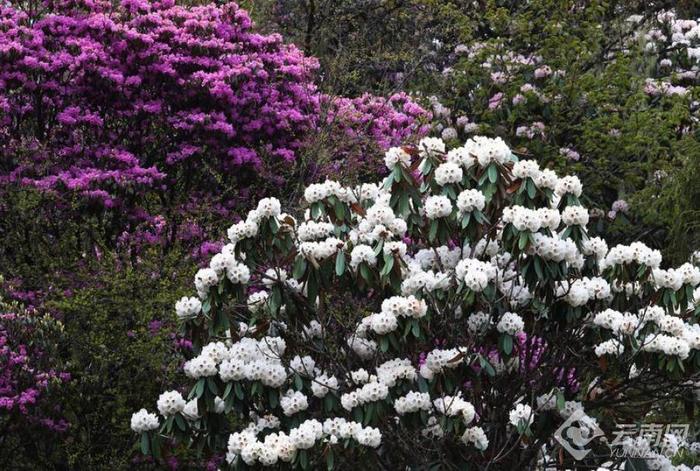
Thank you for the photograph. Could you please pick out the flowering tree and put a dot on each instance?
(452, 316)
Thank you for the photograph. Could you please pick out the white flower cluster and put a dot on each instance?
(448, 173)
(672, 336)
(369, 392)
(321, 250)
(322, 384)
(143, 421)
(396, 155)
(170, 403)
(610, 347)
(579, 292)
(412, 402)
(475, 274)
(392, 308)
(488, 150)
(431, 145)
(437, 206)
(575, 216)
(362, 254)
(668, 345)
(379, 223)
(477, 437)
(526, 169)
(521, 415)
(320, 191)
(188, 308)
(293, 402)
(312, 230)
(569, 185)
(510, 323)
(557, 250)
(637, 252)
(438, 360)
(675, 278)
(255, 360)
(282, 447)
(470, 200)
(455, 405)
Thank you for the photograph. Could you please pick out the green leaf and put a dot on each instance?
(155, 446)
(357, 414)
(181, 424)
(227, 391)
(211, 384)
(394, 343)
(312, 288)
(423, 385)
(239, 391)
(415, 329)
(561, 401)
(523, 239)
(384, 343)
(365, 273)
(304, 459)
(388, 265)
(299, 267)
(145, 443)
(273, 397)
(507, 344)
(339, 208)
(275, 299)
(531, 189)
(538, 268)
(487, 366)
(369, 413)
(340, 263)
(199, 388)
(493, 173)
(433, 230)
(465, 219)
(329, 460)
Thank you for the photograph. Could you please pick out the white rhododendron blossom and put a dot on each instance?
(143, 421)
(521, 416)
(465, 308)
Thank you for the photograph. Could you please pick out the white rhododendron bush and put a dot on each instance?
(452, 316)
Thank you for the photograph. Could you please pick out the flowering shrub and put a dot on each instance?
(30, 381)
(143, 113)
(572, 96)
(361, 129)
(453, 315)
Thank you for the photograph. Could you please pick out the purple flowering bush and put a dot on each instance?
(32, 381)
(146, 103)
(142, 113)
